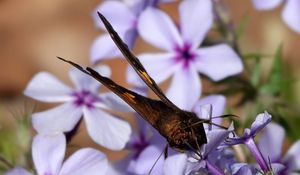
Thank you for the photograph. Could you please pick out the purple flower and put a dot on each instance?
(180, 164)
(145, 147)
(290, 13)
(248, 139)
(123, 15)
(84, 100)
(270, 145)
(176, 165)
(48, 155)
(183, 59)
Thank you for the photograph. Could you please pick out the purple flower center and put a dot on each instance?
(84, 98)
(184, 54)
(139, 145)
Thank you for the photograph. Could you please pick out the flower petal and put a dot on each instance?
(175, 165)
(185, 88)
(215, 138)
(106, 130)
(218, 103)
(291, 14)
(266, 4)
(113, 102)
(159, 66)
(120, 17)
(45, 87)
(18, 171)
(157, 28)
(85, 82)
(292, 158)
(59, 119)
(269, 139)
(147, 159)
(85, 161)
(48, 152)
(196, 18)
(104, 48)
(260, 122)
(218, 62)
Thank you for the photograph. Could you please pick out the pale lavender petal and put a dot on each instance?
(103, 48)
(292, 157)
(196, 18)
(260, 122)
(157, 28)
(117, 13)
(59, 119)
(185, 88)
(45, 87)
(269, 139)
(111, 101)
(266, 4)
(218, 62)
(278, 167)
(147, 159)
(175, 165)
(291, 14)
(85, 161)
(160, 66)
(218, 103)
(48, 152)
(215, 138)
(18, 171)
(85, 82)
(106, 130)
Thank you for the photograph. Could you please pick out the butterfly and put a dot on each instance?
(182, 129)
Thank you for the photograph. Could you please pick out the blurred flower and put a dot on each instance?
(248, 139)
(290, 13)
(124, 18)
(106, 130)
(175, 165)
(145, 146)
(270, 145)
(183, 58)
(48, 155)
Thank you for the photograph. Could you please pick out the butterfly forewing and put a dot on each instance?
(134, 62)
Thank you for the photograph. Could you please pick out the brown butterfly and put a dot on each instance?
(183, 130)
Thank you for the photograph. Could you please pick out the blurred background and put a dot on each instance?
(33, 33)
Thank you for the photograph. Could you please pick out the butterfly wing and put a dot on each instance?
(135, 63)
(151, 110)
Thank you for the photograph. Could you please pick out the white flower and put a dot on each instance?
(84, 100)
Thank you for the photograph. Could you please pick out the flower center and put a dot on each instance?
(84, 98)
(184, 54)
(139, 145)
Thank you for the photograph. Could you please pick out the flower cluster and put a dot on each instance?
(184, 56)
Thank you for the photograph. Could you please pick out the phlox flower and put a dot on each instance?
(270, 145)
(123, 15)
(290, 13)
(248, 139)
(183, 59)
(181, 164)
(83, 100)
(48, 154)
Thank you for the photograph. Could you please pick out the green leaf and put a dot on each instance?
(276, 82)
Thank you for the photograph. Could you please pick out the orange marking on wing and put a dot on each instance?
(146, 76)
(129, 97)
